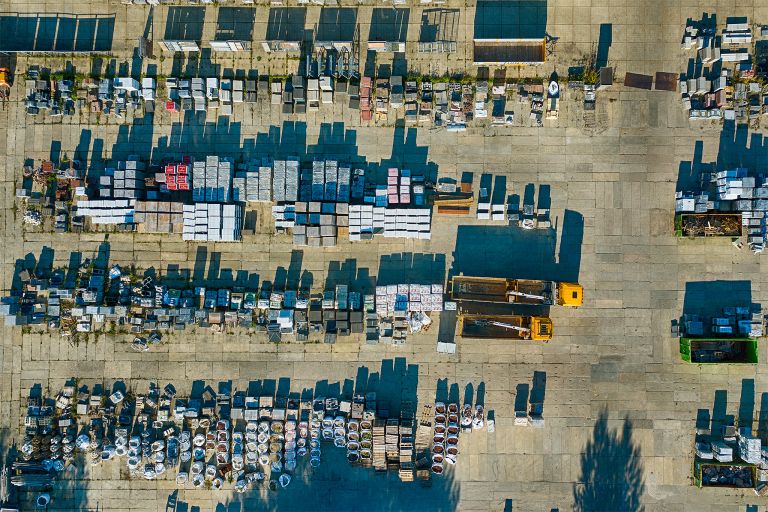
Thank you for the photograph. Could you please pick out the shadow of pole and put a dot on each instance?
(611, 471)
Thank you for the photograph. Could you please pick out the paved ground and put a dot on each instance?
(617, 396)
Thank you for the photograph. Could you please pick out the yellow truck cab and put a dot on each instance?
(570, 294)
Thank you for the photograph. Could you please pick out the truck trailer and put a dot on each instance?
(516, 291)
(520, 327)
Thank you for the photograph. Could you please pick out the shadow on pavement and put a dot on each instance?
(611, 471)
(509, 251)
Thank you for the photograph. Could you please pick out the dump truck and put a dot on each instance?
(520, 327)
(5, 84)
(516, 291)
(718, 350)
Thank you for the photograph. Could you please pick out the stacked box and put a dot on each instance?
(252, 182)
(224, 179)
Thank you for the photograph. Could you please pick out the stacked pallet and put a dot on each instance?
(406, 448)
(379, 445)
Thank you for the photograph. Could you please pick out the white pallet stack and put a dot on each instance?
(212, 222)
(408, 223)
(108, 211)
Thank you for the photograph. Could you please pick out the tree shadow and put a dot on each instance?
(611, 471)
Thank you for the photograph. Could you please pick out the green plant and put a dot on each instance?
(591, 76)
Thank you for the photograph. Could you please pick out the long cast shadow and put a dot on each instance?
(611, 471)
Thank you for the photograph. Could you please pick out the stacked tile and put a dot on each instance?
(239, 191)
(278, 181)
(107, 211)
(305, 185)
(318, 180)
(128, 180)
(408, 297)
(159, 216)
(292, 180)
(211, 178)
(343, 190)
(212, 222)
(331, 180)
(198, 181)
(265, 183)
(224, 180)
